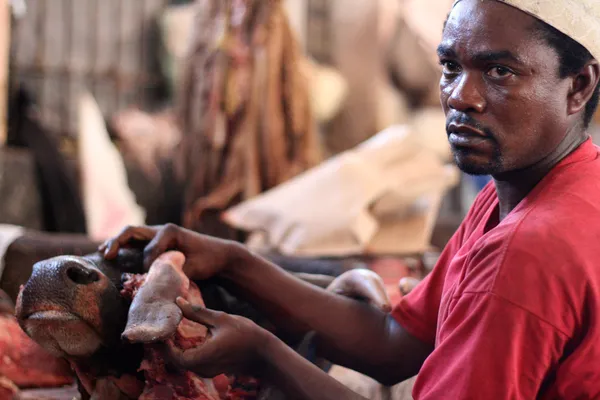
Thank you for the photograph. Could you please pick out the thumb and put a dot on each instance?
(364, 284)
(198, 314)
(374, 292)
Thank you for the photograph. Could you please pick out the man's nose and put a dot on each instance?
(466, 95)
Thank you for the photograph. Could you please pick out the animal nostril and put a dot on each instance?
(81, 275)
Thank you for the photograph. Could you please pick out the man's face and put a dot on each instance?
(505, 104)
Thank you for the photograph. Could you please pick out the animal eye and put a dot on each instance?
(450, 68)
(500, 72)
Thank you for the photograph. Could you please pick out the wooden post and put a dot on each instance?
(5, 22)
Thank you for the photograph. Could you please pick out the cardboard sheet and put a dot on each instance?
(382, 197)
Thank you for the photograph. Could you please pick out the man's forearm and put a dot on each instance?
(349, 332)
(297, 378)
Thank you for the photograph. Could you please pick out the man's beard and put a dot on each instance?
(493, 167)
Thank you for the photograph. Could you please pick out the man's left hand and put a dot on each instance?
(233, 343)
(362, 284)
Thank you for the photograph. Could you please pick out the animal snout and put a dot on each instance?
(80, 274)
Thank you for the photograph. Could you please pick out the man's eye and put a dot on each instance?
(500, 72)
(450, 68)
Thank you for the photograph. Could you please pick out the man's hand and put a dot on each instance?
(205, 256)
(362, 284)
(233, 344)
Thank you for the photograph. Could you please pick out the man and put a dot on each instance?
(512, 310)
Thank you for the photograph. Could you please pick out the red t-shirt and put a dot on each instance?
(513, 308)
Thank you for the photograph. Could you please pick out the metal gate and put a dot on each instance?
(107, 46)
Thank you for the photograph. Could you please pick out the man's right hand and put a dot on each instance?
(205, 256)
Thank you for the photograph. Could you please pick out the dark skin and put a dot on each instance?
(505, 83)
(509, 115)
(386, 351)
(535, 120)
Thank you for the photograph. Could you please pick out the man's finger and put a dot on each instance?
(112, 246)
(188, 359)
(407, 284)
(363, 284)
(370, 295)
(161, 242)
(375, 292)
(337, 286)
(201, 359)
(198, 314)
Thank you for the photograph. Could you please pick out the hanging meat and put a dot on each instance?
(244, 109)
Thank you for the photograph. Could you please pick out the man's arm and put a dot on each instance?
(35, 246)
(349, 333)
(236, 345)
(297, 378)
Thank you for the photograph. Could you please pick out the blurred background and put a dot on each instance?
(311, 130)
(120, 112)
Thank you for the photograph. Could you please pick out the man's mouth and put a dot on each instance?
(465, 130)
(466, 136)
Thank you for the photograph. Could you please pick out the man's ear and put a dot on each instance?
(583, 86)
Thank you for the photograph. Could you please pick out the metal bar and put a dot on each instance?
(40, 53)
(118, 87)
(93, 41)
(5, 27)
(68, 37)
(143, 27)
(111, 74)
(319, 30)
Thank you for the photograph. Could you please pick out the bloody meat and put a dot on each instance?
(24, 362)
(151, 317)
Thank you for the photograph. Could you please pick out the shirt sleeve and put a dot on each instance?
(490, 348)
(8, 234)
(417, 312)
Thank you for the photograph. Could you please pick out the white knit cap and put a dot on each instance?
(578, 19)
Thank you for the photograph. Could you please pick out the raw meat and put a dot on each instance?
(246, 119)
(23, 361)
(154, 317)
